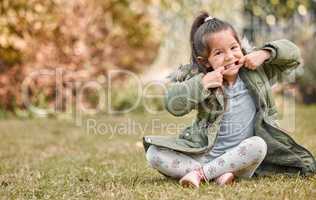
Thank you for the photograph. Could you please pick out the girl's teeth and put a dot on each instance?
(230, 66)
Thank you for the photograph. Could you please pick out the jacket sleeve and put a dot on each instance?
(183, 96)
(285, 56)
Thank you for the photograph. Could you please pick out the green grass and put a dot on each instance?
(56, 159)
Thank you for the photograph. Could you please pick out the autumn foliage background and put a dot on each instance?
(84, 38)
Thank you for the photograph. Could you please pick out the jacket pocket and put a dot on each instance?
(195, 135)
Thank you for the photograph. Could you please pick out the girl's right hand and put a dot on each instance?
(213, 79)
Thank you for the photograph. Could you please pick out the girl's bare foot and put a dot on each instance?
(225, 179)
(193, 178)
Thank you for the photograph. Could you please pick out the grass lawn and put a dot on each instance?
(57, 159)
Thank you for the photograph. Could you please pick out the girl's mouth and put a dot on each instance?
(231, 65)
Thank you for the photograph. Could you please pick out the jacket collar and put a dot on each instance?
(251, 82)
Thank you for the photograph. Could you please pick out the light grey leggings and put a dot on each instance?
(242, 160)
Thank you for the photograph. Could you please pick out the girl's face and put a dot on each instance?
(225, 52)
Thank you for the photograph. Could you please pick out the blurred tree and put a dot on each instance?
(262, 14)
(89, 30)
(86, 38)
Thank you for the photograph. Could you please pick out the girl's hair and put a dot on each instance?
(201, 30)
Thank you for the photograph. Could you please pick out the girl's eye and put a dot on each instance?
(217, 53)
(234, 47)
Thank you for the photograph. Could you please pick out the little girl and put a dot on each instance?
(235, 133)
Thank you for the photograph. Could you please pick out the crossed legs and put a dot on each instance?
(241, 160)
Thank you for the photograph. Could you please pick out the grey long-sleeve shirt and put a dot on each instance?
(237, 123)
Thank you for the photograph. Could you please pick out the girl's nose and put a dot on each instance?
(229, 56)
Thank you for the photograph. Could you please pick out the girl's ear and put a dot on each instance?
(201, 60)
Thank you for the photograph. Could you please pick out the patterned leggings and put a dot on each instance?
(241, 160)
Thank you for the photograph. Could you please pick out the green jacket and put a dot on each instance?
(185, 93)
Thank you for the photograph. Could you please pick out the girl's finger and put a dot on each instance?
(220, 69)
(241, 61)
(238, 65)
(247, 64)
(250, 66)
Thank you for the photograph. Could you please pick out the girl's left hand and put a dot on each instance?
(255, 59)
